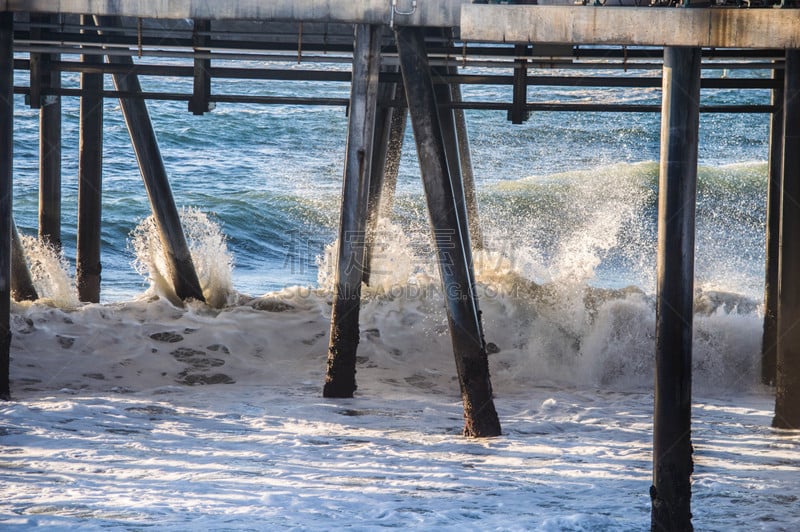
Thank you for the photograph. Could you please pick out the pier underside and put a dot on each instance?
(433, 48)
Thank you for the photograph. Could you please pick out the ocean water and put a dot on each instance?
(139, 412)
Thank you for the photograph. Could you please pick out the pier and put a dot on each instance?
(409, 60)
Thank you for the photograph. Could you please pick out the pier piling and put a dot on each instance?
(6, 173)
(451, 241)
(769, 339)
(465, 157)
(787, 379)
(453, 152)
(151, 165)
(340, 378)
(397, 133)
(22, 288)
(380, 153)
(45, 78)
(199, 103)
(672, 447)
(90, 182)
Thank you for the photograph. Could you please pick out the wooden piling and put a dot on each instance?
(453, 153)
(340, 378)
(22, 288)
(397, 133)
(380, 152)
(452, 244)
(90, 183)
(151, 165)
(6, 177)
(787, 380)
(467, 175)
(199, 103)
(672, 447)
(49, 140)
(769, 339)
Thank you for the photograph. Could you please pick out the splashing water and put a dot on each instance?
(208, 247)
(49, 273)
(565, 287)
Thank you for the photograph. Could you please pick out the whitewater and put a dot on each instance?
(140, 412)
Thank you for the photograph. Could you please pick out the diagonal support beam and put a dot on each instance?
(340, 378)
(450, 237)
(199, 103)
(151, 165)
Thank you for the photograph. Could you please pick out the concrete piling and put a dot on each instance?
(672, 447)
(787, 379)
(340, 378)
(452, 243)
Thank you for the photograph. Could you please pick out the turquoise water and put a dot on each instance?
(551, 191)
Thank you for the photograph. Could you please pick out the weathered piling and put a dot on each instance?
(151, 165)
(22, 288)
(769, 339)
(397, 133)
(201, 93)
(90, 183)
(43, 79)
(447, 126)
(340, 378)
(380, 152)
(672, 447)
(467, 175)
(452, 245)
(787, 380)
(6, 173)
